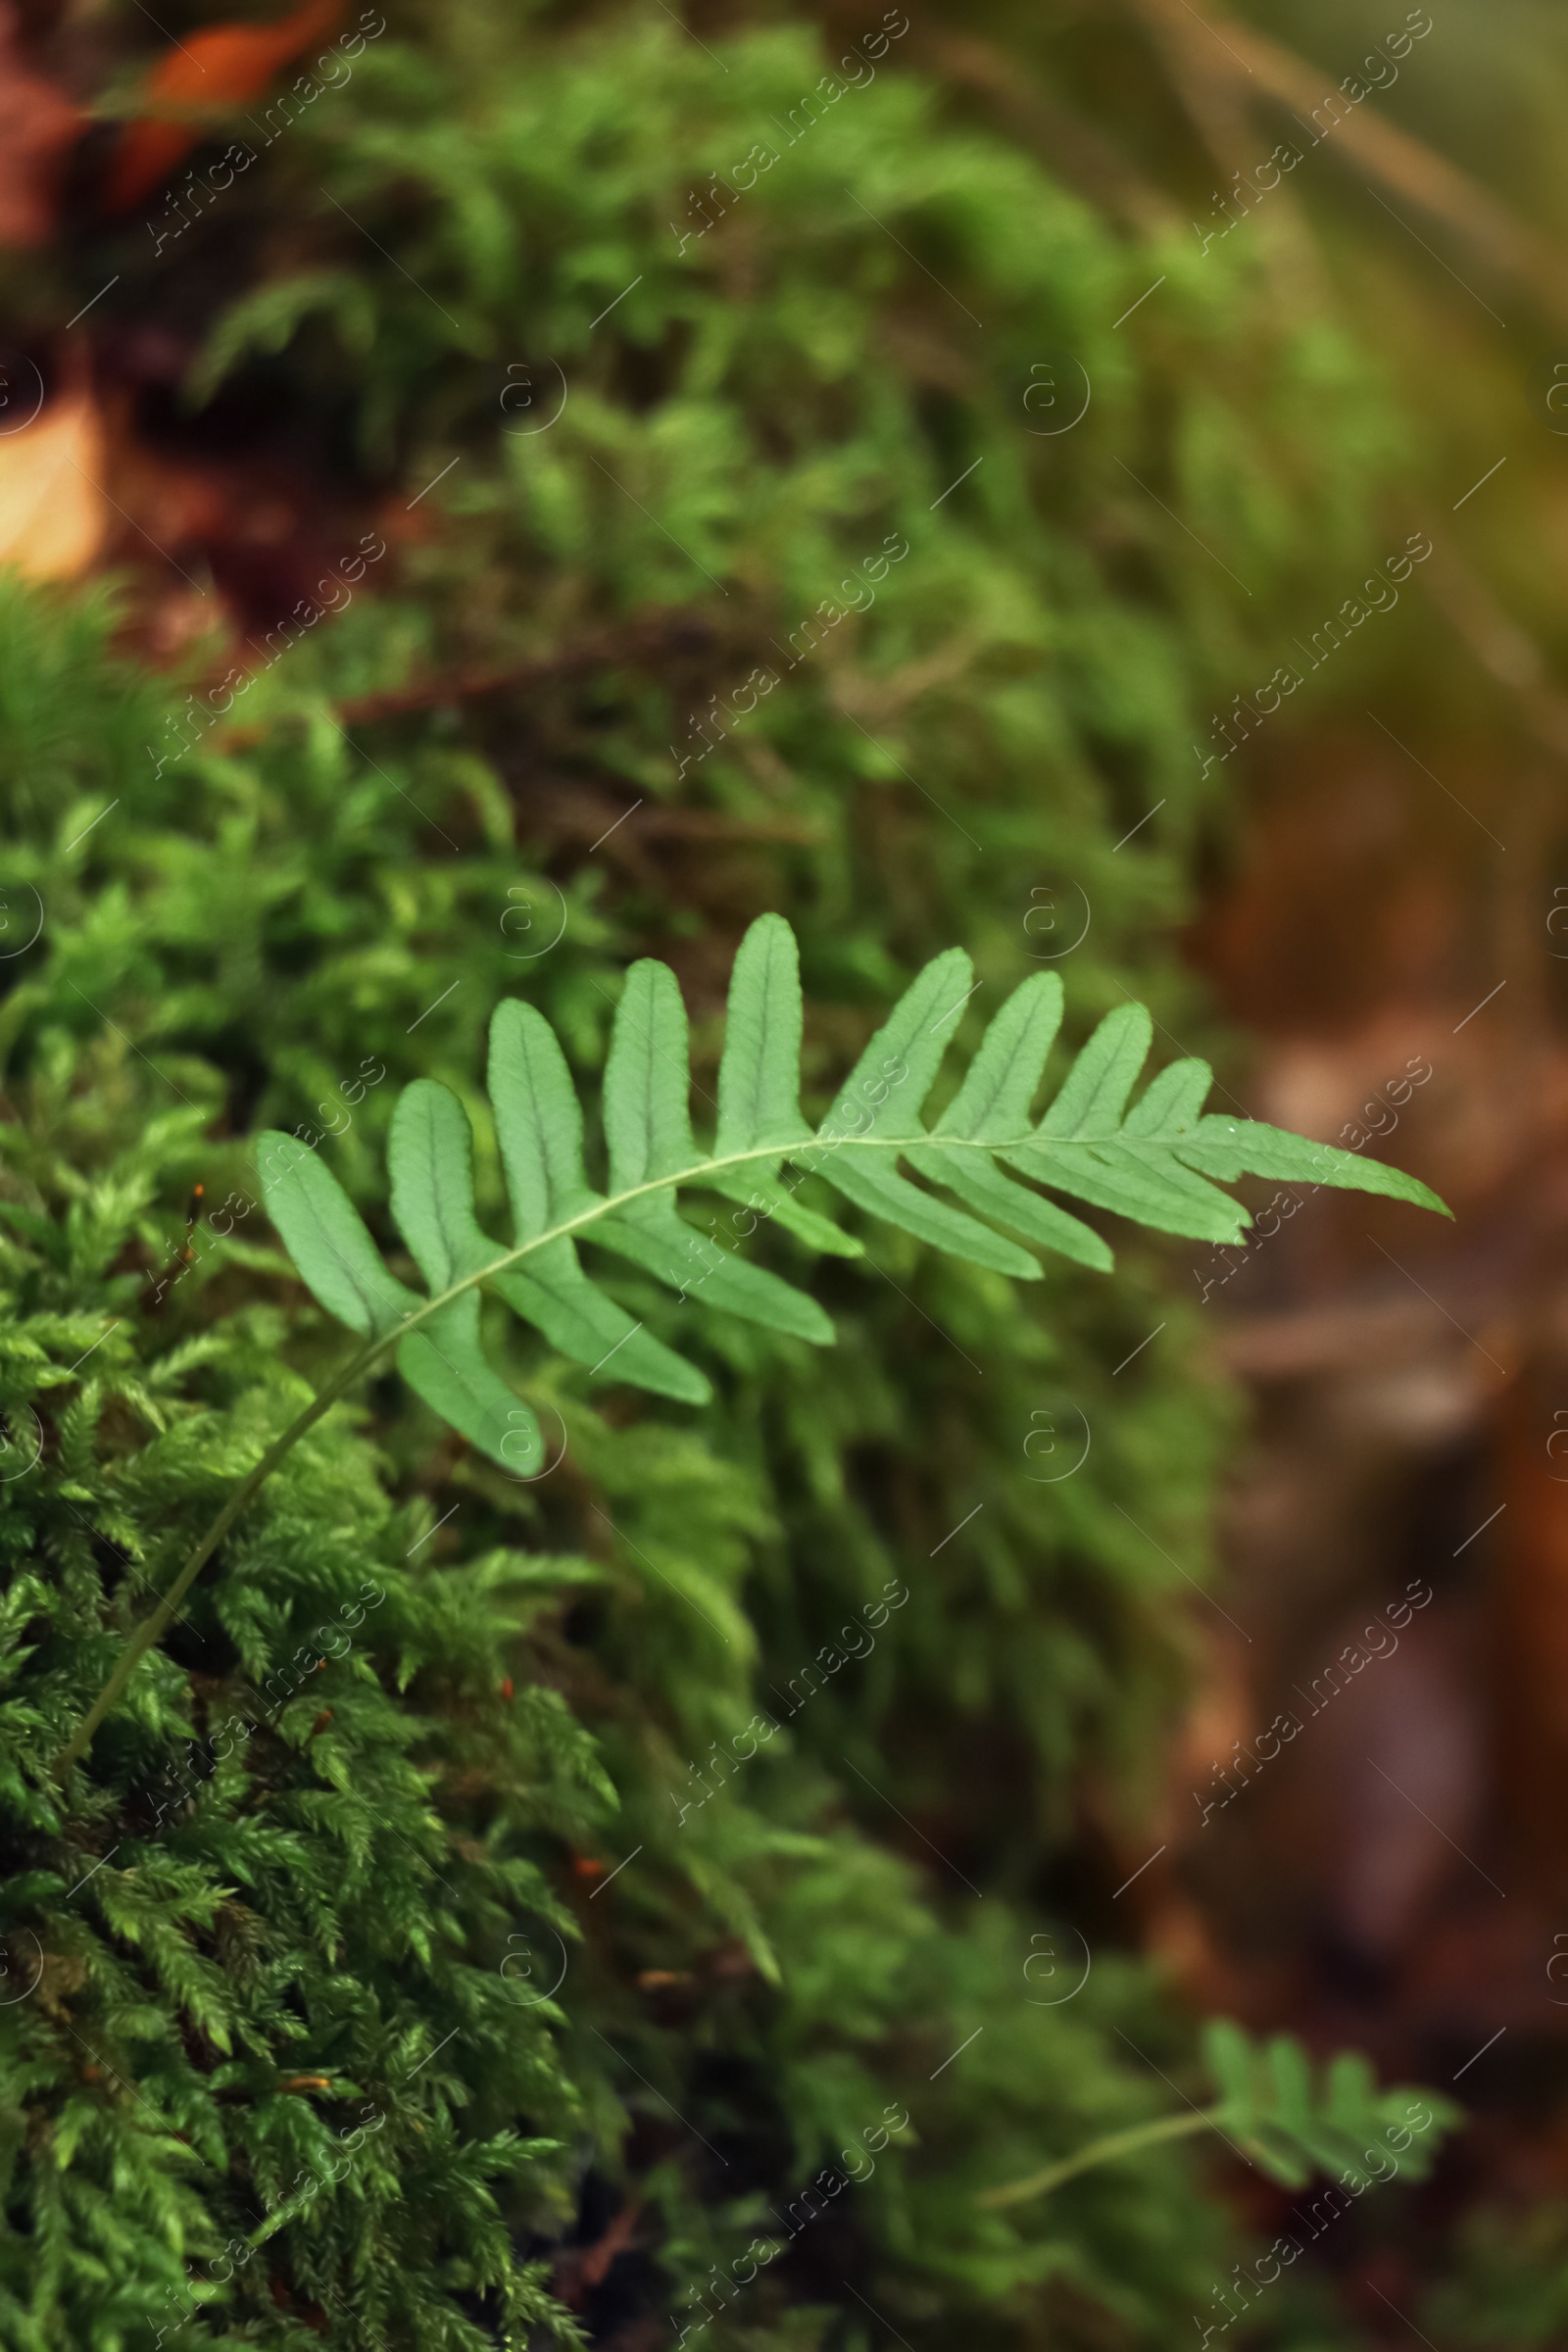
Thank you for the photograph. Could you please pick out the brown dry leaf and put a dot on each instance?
(37, 124)
(52, 512)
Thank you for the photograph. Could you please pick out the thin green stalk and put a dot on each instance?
(154, 1626)
(1101, 2151)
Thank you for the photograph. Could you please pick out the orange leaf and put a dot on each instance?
(222, 65)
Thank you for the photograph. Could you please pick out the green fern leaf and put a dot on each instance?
(648, 1126)
(1232, 1148)
(430, 1160)
(887, 1088)
(325, 1237)
(1089, 1146)
(1295, 2125)
(1292, 2083)
(1170, 1104)
(1095, 1094)
(445, 1365)
(983, 1187)
(557, 1297)
(1288, 2124)
(893, 1198)
(647, 1123)
(760, 1075)
(883, 1097)
(664, 1246)
(994, 1102)
(993, 1106)
(538, 1121)
(765, 1198)
(539, 1127)
(1151, 1162)
(1228, 2055)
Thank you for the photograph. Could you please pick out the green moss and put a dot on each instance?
(326, 886)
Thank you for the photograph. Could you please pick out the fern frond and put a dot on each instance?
(1286, 2118)
(1152, 1162)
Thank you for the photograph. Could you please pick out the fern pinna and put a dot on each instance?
(1152, 1162)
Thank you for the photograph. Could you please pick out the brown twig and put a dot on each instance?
(665, 636)
(1409, 167)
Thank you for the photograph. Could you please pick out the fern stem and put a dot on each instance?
(156, 1623)
(1101, 2151)
(153, 1627)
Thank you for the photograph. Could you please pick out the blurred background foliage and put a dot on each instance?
(631, 431)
